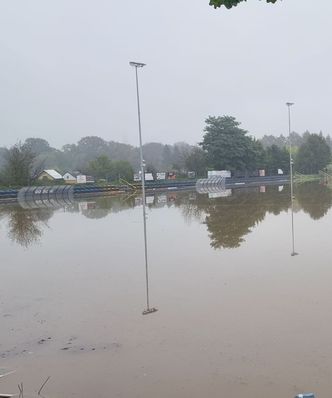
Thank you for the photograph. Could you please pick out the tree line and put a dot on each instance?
(21, 164)
(224, 146)
(227, 146)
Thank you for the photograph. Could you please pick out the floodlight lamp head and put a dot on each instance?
(136, 64)
(289, 103)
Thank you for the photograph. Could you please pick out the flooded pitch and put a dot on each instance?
(238, 316)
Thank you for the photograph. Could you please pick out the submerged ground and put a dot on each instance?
(237, 314)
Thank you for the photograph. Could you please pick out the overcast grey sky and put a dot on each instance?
(64, 69)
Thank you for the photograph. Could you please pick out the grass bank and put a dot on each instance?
(298, 178)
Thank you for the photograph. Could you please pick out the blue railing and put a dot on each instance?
(8, 193)
(90, 189)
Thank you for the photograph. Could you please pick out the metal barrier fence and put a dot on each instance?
(46, 196)
(210, 185)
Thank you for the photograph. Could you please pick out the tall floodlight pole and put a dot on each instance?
(289, 104)
(148, 310)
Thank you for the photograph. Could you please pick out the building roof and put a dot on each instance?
(69, 175)
(54, 174)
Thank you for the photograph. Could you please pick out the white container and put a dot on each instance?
(219, 173)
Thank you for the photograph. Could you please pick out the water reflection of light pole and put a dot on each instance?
(289, 104)
(148, 310)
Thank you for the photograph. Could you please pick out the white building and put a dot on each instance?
(148, 177)
(219, 173)
(69, 178)
(50, 175)
(84, 179)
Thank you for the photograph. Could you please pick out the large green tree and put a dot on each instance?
(313, 155)
(228, 147)
(277, 158)
(255, 155)
(231, 3)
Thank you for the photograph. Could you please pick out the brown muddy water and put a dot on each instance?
(238, 316)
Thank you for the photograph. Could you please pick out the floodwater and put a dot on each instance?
(238, 316)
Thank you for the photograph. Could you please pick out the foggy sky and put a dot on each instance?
(64, 69)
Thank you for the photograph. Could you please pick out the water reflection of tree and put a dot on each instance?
(25, 225)
(230, 221)
(231, 218)
(314, 198)
(105, 205)
(191, 210)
